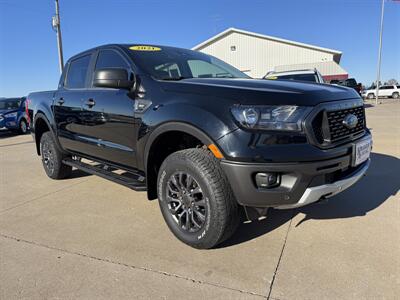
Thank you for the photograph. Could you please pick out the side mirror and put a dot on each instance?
(116, 78)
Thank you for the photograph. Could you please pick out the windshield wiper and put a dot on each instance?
(174, 78)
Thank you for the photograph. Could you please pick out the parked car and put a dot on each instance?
(205, 139)
(13, 114)
(350, 82)
(392, 91)
(300, 75)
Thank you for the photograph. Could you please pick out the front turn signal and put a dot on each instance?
(214, 149)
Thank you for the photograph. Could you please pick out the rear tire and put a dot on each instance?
(52, 158)
(395, 95)
(196, 199)
(371, 96)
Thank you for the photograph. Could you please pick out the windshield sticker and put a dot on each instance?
(145, 48)
(272, 78)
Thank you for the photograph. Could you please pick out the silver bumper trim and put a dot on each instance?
(315, 193)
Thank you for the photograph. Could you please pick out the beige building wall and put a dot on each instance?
(256, 55)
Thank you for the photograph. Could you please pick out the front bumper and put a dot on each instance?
(8, 123)
(313, 194)
(300, 183)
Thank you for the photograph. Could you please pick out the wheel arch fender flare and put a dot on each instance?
(42, 116)
(175, 126)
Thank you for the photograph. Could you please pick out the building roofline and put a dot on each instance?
(232, 29)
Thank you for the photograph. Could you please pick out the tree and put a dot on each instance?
(392, 82)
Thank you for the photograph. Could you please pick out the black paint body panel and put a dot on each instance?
(113, 131)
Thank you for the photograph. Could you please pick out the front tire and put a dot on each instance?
(23, 127)
(196, 199)
(395, 95)
(371, 96)
(52, 158)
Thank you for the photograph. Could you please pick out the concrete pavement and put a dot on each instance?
(88, 238)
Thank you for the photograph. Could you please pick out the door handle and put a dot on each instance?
(90, 103)
(61, 101)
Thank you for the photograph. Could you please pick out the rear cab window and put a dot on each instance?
(299, 77)
(77, 72)
(351, 82)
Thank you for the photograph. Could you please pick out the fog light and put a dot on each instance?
(267, 180)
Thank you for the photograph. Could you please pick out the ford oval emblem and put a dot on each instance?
(350, 121)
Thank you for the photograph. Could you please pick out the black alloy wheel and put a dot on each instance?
(47, 157)
(52, 158)
(196, 199)
(186, 202)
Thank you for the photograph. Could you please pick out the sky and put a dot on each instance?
(28, 47)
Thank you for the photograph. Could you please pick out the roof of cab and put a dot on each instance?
(122, 46)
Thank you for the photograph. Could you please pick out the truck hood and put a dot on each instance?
(259, 91)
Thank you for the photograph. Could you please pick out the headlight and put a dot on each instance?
(11, 115)
(285, 118)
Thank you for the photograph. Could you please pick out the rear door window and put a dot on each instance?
(77, 72)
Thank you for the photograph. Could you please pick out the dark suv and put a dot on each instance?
(205, 139)
(350, 82)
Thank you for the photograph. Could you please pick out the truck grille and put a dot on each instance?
(328, 127)
(336, 128)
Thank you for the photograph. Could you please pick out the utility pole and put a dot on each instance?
(378, 75)
(57, 28)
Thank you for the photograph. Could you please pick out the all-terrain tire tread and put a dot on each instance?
(61, 170)
(227, 207)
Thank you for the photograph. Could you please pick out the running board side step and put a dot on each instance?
(131, 180)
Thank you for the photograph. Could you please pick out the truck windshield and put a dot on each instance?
(169, 63)
(10, 104)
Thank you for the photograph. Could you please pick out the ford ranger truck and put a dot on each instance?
(211, 143)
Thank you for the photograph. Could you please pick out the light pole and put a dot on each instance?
(378, 75)
(55, 22)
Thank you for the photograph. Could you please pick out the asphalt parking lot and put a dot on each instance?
(88, 238)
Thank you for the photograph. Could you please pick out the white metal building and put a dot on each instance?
(256, 54)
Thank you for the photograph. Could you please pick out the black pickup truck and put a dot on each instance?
(209, 142)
